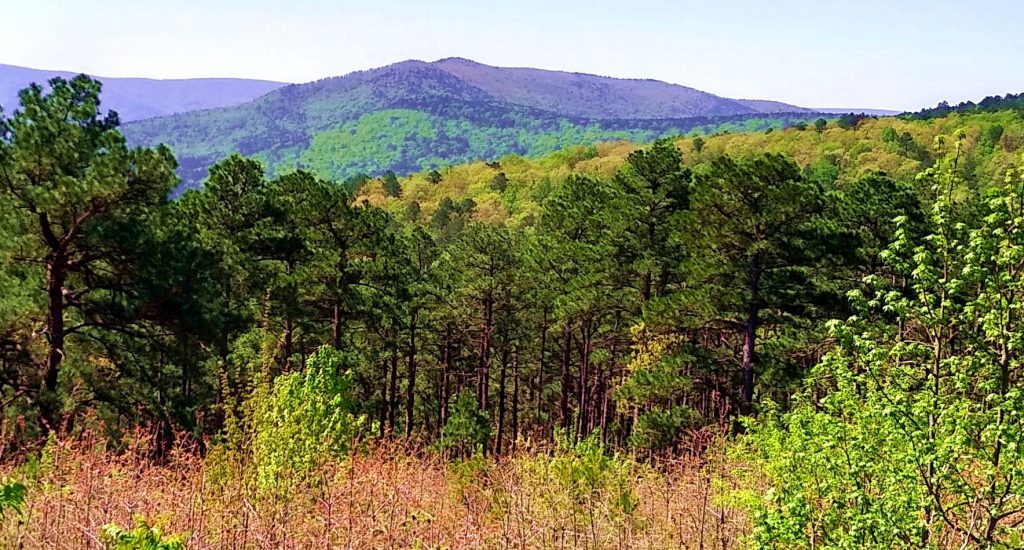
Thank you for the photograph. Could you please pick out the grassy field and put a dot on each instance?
(384, 496)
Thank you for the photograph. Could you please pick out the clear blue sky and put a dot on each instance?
(898, 54)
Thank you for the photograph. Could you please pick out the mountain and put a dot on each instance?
(857, 110)
(416, 115)
(140, 98)
(766, 106)
(601, 97)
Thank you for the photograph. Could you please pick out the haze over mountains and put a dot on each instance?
(140, 98)
(567, 93)
(407, 116)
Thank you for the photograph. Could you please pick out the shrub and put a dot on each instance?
(12, 496)
(585, 471)
(143, 537)
(303, 419)
(584, 483)
(467, 428)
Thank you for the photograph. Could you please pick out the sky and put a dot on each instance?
(894, 54)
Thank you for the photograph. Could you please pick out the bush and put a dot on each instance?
(467, 428)
(586, 472)
(304, 419)
(143, 537)
(12, 496)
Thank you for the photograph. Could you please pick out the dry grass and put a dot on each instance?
(384, 497)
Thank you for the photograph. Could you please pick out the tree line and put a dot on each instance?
(644, 306)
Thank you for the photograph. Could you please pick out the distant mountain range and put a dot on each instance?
(140, 98)
(409, 116)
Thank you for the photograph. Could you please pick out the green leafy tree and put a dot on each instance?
(413, 211)
(304, 418)
(657, 387)
(499, 182)
(583, 229)
(698, 144)
(909, 432)
(484, 264)
(434, 177)
(657, 186)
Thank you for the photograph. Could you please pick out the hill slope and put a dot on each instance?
(140, 98)
(415, 115)
(600, 97)
(836, 156)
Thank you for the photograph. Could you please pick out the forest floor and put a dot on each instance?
(385, 496)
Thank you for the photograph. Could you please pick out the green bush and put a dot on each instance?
(143, 537)
(467, 428)
(304, 419)
(587, 472)
(12, 496)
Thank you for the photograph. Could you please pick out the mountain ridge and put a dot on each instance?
(415, 115)
(136, 98)
(593, 96)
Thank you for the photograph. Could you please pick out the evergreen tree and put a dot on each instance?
(68, 180)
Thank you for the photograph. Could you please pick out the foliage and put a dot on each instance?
(143, 537)
(586, 482)
(989, 104)
(584, 469)
(657, 386)
(468, 428)
(908, 433)
(304, 418)
(12, 496)
(82, 214)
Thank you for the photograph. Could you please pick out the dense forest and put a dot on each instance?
(414, 116)
(834, 304)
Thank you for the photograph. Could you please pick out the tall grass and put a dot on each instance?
(382, 496)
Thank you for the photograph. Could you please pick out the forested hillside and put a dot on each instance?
(513, 188)
(824, 318)
(414, 116)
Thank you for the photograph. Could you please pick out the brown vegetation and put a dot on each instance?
(382, 497)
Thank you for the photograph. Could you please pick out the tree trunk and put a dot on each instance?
(289, 340)
(584, 410)
(410, 392)
(603, 385)
(647, 281)
(56, 274)
(501, 396)
(336, 325)
(446, 359)
(484, 367)
(750, 327)
(515, 401)
(393, 388)
(566, 355)
(383, 418)
(540, 369)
